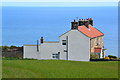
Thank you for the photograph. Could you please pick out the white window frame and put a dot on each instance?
(64, 42)
(55, 56)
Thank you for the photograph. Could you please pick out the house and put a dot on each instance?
(78, 44)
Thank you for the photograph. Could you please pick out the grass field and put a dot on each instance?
(59, 69)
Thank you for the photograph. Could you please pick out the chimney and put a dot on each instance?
(41, 40)
(74, 25)
(74, 20)
(81, 22)
(86, 24)
(91, 21)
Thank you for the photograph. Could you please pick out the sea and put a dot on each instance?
(25, 25)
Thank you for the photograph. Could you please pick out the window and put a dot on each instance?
(63, 42)
(65, 50)
(98, 41)
(55, 56)
(97, 55)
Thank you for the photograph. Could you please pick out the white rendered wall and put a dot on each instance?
(30, 52)
(47, 49)
(78, 46)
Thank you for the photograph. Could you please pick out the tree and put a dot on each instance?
(12, 46)
(5, 47)
(111, 56)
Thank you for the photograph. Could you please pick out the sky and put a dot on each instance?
(61, 4)
(60, 0)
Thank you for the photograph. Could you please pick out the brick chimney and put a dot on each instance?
(86, 22)
(41, 40)
(90, 21)
(81, 22)
(74, 25)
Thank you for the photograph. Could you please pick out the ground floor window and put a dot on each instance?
(55, 56)
(97, 54)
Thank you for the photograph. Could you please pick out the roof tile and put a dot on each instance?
(90, 31)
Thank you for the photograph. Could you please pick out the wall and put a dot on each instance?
(16, 52)
(94, 43)
(49, 48)
(30, 51)
(78, 46)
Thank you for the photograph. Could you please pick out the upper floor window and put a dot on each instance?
(63, 42)
(98, 41)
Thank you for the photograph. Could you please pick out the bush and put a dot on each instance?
(28, 59)
(112, 57)
(117, 58)
(5, 47)
(13, 58)
(107, 58)
(93, 56)
(8, 58)
(12, 46)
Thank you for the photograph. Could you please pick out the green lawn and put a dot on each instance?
(59, 69)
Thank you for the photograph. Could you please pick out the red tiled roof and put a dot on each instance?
(90, 31)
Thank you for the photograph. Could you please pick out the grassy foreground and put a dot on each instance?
(58, 69)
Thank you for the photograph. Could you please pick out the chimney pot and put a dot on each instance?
(74, 20)
(41, 40)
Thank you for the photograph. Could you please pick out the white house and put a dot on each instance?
(79, 43)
